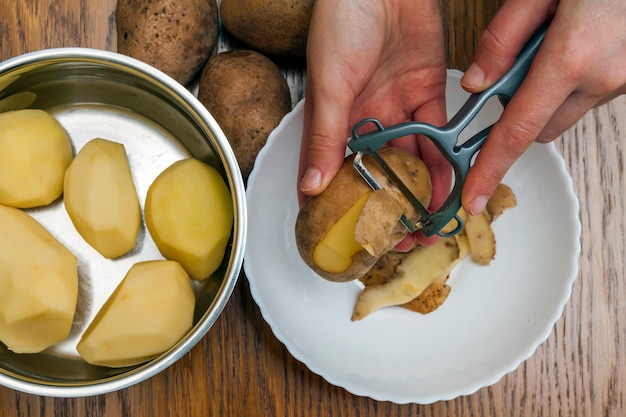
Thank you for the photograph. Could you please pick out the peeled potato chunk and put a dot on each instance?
(101, 199)
(147, 314)
(189, 214)
(38, 284)
(34, 154)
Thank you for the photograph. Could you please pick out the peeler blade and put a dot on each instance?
(411, 225)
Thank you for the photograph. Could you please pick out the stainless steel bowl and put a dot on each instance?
(95, 93)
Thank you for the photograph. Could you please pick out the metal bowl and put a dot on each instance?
(95, 93)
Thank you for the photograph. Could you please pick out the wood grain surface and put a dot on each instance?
(240, 369)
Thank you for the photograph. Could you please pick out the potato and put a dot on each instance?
(415, 273)
(38, 284)
(189, 214)
(343, 231)
(248, 96)
(274, 27)
(148, 313)
(176, 37)
(100, 198)
(34, 153)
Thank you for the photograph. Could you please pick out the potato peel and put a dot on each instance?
(416, 280)
(481, 239)
(430, 299)
(418, 269)
(503, 198)
(320, 214)
(374, 237)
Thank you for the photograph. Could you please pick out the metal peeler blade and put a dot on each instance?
(446, 138)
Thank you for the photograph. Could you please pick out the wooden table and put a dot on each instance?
(240, 369)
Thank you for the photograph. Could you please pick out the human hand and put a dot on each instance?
(372, 58)
(581, 64)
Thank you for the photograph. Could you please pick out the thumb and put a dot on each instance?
(324, 139)
(501, 42)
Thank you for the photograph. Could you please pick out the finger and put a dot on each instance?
(527, 114)
(406, 244)
(323, 141)
(502, 40)
(411, 239)
(566, 116)
(426, 241)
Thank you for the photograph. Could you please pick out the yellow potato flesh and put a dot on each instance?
(101, 199)
(189, 214)
(149, 312)
(334, 252)
(34, 154)
(38, 284)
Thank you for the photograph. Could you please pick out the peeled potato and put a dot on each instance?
(148, 313)
(101, 199)
(34, 154)
(189, 214)
(38, 284)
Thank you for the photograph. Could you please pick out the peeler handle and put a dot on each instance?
(446, 138)
(504, 88)
(460, 155)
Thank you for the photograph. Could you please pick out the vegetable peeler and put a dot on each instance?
(446, 138)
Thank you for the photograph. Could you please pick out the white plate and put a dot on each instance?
(494, 318)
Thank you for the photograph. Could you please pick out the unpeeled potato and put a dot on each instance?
(248, 96)
(189, 214)
(343, 231)
(38, 284)
(101, 199)
(34, 154)
(148, 313)
(274, 27)
(176, 37)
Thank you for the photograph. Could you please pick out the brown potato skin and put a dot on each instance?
(318, 214)
(274, 27)
(175, 36)
(248, 96)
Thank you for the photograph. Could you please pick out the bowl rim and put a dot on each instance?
(225, 155)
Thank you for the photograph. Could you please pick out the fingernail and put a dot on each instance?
(478, 205)
(474, 77)
(311, 180)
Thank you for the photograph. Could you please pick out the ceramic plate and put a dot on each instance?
(495, 317)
